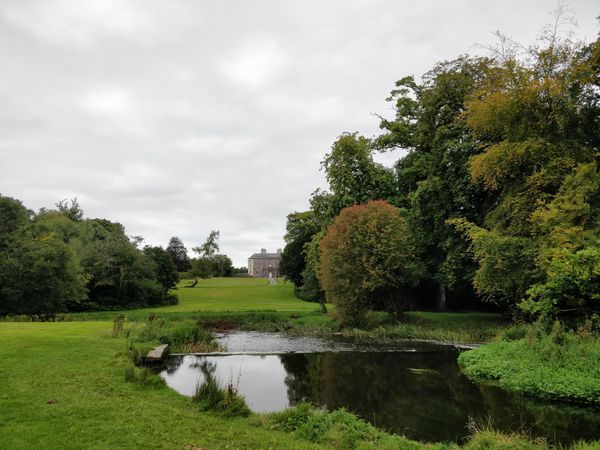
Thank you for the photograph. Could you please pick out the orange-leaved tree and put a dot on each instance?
(368, 261)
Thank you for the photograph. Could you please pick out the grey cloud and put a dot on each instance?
(178, 117)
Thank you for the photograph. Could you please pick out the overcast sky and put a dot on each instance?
(178, 117)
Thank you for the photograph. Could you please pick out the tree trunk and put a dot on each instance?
(323, 307)
(441, 301)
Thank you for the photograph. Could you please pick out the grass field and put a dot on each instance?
(64, 383)
(221, 295)
(64, 388)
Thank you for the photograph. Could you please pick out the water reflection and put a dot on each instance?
(419, 394)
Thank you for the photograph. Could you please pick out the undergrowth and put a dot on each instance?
(558, 364)
(341, 429)
(210, 396)
(182, 336)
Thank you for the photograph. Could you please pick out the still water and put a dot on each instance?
(415, 389)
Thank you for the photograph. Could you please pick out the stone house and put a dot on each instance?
(264, 264)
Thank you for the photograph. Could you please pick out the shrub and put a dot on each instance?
(367, 261)
(570, 291)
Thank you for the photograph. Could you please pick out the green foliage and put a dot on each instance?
(57, 261)
(433, 179)
(533, 117)
(338, 429)
(222, 266)
(311, 289)
(353, 177)
(300, 229)
(39, 277)
(201, 268)
(571, 291)
(178, 254)
(120, 275)
(13, 217)
(166, 272)
(210, 263)
(210, 247)
(558, 365)
(367, 261)
(210, 396)
(506, 264)
(183, 336)
(70, 210)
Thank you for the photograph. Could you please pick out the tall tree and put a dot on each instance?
(166, 272)
(203, 266)
(210, 247)
(179, 254)
(222, 265)
(433, 178)
(300, 228)
(354, 177)
(537, 120)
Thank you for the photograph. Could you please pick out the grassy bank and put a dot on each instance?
(466, 327)
(64, 388)
(558, 366)
(252, 304)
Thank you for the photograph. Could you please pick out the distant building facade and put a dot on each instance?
(264, 264)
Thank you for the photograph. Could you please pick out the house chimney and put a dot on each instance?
(263, 251)
(279, 251)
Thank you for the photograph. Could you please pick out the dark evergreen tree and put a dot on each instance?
(179, 254)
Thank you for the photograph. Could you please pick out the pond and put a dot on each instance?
(411, 388)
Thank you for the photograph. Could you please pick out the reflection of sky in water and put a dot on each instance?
(260, 379)
(413, 388)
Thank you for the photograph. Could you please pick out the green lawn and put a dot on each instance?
(238, 294)
(63, 388)
(219, 296)
(63, 383)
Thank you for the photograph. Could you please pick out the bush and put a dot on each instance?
(367, 261)
(570, 292)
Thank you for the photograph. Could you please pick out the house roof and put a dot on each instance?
(266, 256)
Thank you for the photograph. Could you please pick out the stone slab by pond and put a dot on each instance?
(157, 354)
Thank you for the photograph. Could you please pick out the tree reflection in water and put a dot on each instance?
(424, 396)
(419, 393)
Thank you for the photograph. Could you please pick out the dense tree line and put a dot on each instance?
(499, 189)
(56, 261)
(209, 263)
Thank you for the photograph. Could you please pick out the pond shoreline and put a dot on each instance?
(422, 377)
